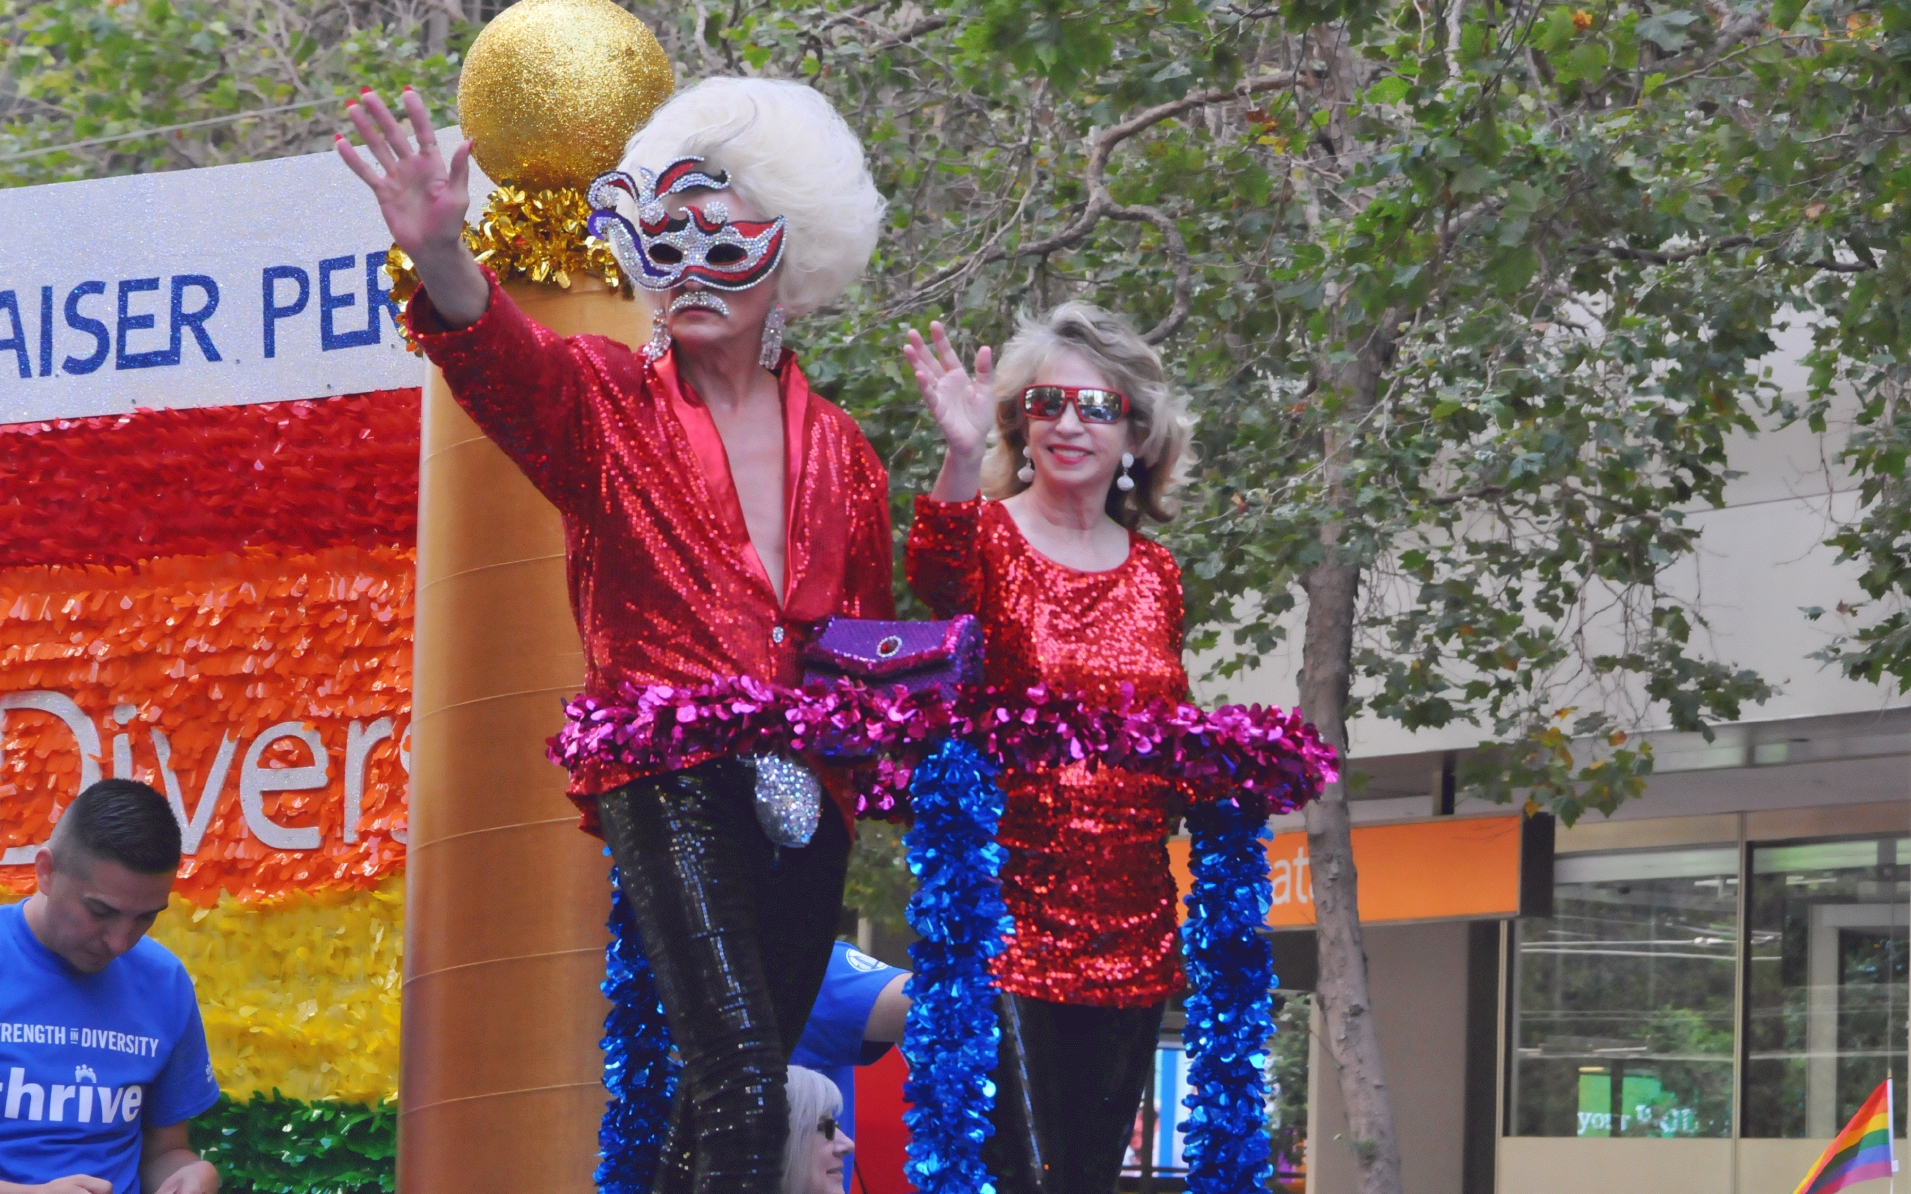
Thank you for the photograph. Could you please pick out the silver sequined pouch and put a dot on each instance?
(789, 799)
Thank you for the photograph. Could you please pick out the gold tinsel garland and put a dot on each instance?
(536, 236)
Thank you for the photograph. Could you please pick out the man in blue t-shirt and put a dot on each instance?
(102, 1056)
(858, 1015)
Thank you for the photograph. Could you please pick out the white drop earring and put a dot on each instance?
(659, 337)
(772, 353)
(1126, 482)
(1026, 474)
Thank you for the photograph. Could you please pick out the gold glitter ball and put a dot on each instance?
(552, 89)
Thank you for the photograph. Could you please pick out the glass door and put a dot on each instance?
(1826, 997)
(1625, 997)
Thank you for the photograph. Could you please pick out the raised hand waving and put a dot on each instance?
(963, 406)
(423, 199)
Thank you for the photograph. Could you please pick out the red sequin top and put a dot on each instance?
(664, 582)
(1087, 877)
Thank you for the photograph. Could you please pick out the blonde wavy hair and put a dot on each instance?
(1160, 429)
(788, 154)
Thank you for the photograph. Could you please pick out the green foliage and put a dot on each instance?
(77, 70)
(1842, 155)
(1287, 1077)
(1496, 229)
(879, 883)
(1468, 299)
(283, 1146)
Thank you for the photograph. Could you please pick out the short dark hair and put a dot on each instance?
(120, 820)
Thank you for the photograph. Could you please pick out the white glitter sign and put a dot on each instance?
(232, 284)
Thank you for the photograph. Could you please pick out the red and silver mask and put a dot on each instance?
(661, 251)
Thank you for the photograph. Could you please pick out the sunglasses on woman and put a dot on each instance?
(1092, 405)
(827, 1126)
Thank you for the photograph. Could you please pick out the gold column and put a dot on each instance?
(500, 1085)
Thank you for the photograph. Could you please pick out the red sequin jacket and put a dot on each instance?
(1087, 877)
(664, 582)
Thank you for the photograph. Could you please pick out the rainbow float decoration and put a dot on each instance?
(218, 602)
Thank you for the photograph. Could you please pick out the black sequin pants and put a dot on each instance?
(738, 933)
(1069, 1081)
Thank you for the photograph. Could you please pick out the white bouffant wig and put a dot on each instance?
(788, 154)
(811, 1096)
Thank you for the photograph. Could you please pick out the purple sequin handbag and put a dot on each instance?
(916, 655)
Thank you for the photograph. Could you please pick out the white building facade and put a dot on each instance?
(1720, 979)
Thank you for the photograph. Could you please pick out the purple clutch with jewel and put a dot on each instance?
(916, 655)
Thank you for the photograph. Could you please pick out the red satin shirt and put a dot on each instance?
(664, 582)
(1087, 877)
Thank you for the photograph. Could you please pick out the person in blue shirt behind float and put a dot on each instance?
(102, 1052)
(857, 1017)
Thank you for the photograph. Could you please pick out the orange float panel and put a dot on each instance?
(1454, 868)
(501, 1075)
(266, 693)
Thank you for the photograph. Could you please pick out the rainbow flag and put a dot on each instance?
(1859, 1153)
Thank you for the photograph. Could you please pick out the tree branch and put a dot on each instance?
(1114, 134)
(1725, 242)
(1177, 256)
(1844, 267)
(851, 16)
(911, 33)
(1454, 499)
(1101, 204)
(1655, 257)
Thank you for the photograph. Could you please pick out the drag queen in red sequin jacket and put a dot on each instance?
(1069, 595)
(714, 508)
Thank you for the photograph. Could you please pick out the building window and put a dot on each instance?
(1625, 1002)
(1825, 1005)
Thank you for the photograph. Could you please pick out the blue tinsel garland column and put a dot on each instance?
(951, 1035)
(639, 1072)
(1230, 1002)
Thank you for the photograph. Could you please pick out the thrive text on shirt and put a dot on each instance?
(88, 1062)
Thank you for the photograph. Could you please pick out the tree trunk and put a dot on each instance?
(1333, 591)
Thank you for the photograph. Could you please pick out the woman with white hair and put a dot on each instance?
(1088, 441)
(714, 510)
(819, 1145)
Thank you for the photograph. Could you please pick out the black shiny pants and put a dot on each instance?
(1068, 1083)
(738, 932)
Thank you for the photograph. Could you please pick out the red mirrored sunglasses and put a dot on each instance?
(1092, 404)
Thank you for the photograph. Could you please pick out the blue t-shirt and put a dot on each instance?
(832, 1040)
(89, 1061)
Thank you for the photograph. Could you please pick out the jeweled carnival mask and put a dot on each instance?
(661, 251)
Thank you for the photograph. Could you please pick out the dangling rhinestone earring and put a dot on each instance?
(1026, 474)
(1126, 482)
(772, 353)
(659, 337)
